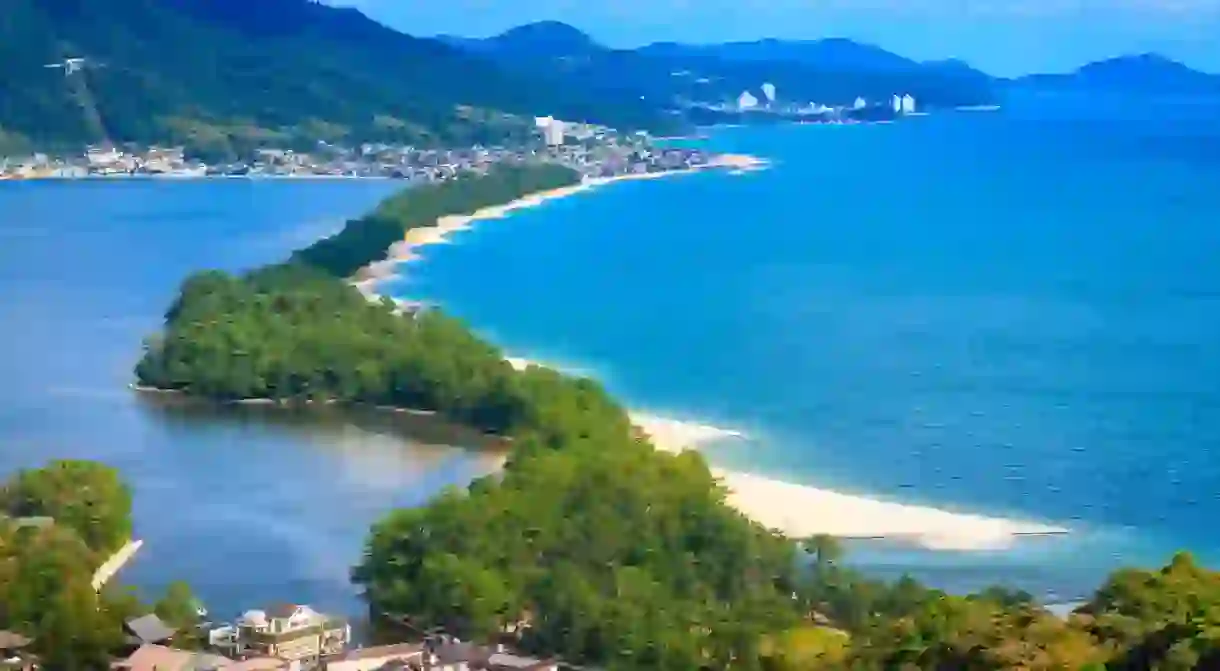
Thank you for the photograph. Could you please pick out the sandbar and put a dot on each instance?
(409, 248)
(801, 511)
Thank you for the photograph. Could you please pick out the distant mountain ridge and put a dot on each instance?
(837, 66)
(831, 71)
(1147, 73)
(827, 53)
(221, 75)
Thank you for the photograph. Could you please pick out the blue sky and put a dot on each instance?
(1004, 37)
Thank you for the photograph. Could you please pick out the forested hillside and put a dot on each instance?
(829, 71)
(221, 74)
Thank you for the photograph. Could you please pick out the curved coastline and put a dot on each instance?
(796, 510)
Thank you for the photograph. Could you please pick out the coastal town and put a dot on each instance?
(283, 637)
(594, 151)
(278, 637)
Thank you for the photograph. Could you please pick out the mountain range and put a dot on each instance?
(830, 71)
(221, 76)
(1143, 74)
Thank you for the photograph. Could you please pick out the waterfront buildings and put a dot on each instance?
(292, 632)
(554, 133)
(904, 104)
(768, 90)
(594, 151)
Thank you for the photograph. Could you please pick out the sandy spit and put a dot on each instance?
(800, 511)
(410, 247)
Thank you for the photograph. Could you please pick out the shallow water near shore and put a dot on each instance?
(249, 505)
(1012, 313)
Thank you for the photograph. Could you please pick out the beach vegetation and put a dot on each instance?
(366, 239)
(611, 552)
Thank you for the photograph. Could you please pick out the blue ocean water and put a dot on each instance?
(1014, 313)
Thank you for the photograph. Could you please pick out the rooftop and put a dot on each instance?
(397, 650)
(150, 629)
(11, 640)
(162, 658)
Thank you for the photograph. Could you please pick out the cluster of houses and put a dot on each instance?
(595, 151)
(286, 638)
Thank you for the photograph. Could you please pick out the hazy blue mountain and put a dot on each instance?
(831, 71)
(1144, 73)
(826, 54)
(541, 39)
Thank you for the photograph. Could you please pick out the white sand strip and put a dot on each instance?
(800, 511)
(408, 249)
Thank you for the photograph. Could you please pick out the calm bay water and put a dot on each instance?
(248, 507)
(1014, 313)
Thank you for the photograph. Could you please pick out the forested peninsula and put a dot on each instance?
(591, 545)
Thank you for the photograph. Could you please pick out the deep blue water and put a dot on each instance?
(249, 509)
(1014, 313)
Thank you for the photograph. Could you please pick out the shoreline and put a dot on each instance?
(407, 250)
(798, 511)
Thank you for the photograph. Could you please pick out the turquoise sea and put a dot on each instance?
(1014, 313)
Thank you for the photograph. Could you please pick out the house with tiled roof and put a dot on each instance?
(163, 658)
(374, 657)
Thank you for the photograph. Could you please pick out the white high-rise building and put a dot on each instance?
(908, 104)
(768, 90)
(746, 101)
(859, 104)
(896, 104)
(554, 132)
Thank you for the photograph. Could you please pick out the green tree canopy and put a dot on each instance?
(616, 554)
(85, 496)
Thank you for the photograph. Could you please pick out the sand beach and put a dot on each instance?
(796, 510)
(799, 511)
(408, 249)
